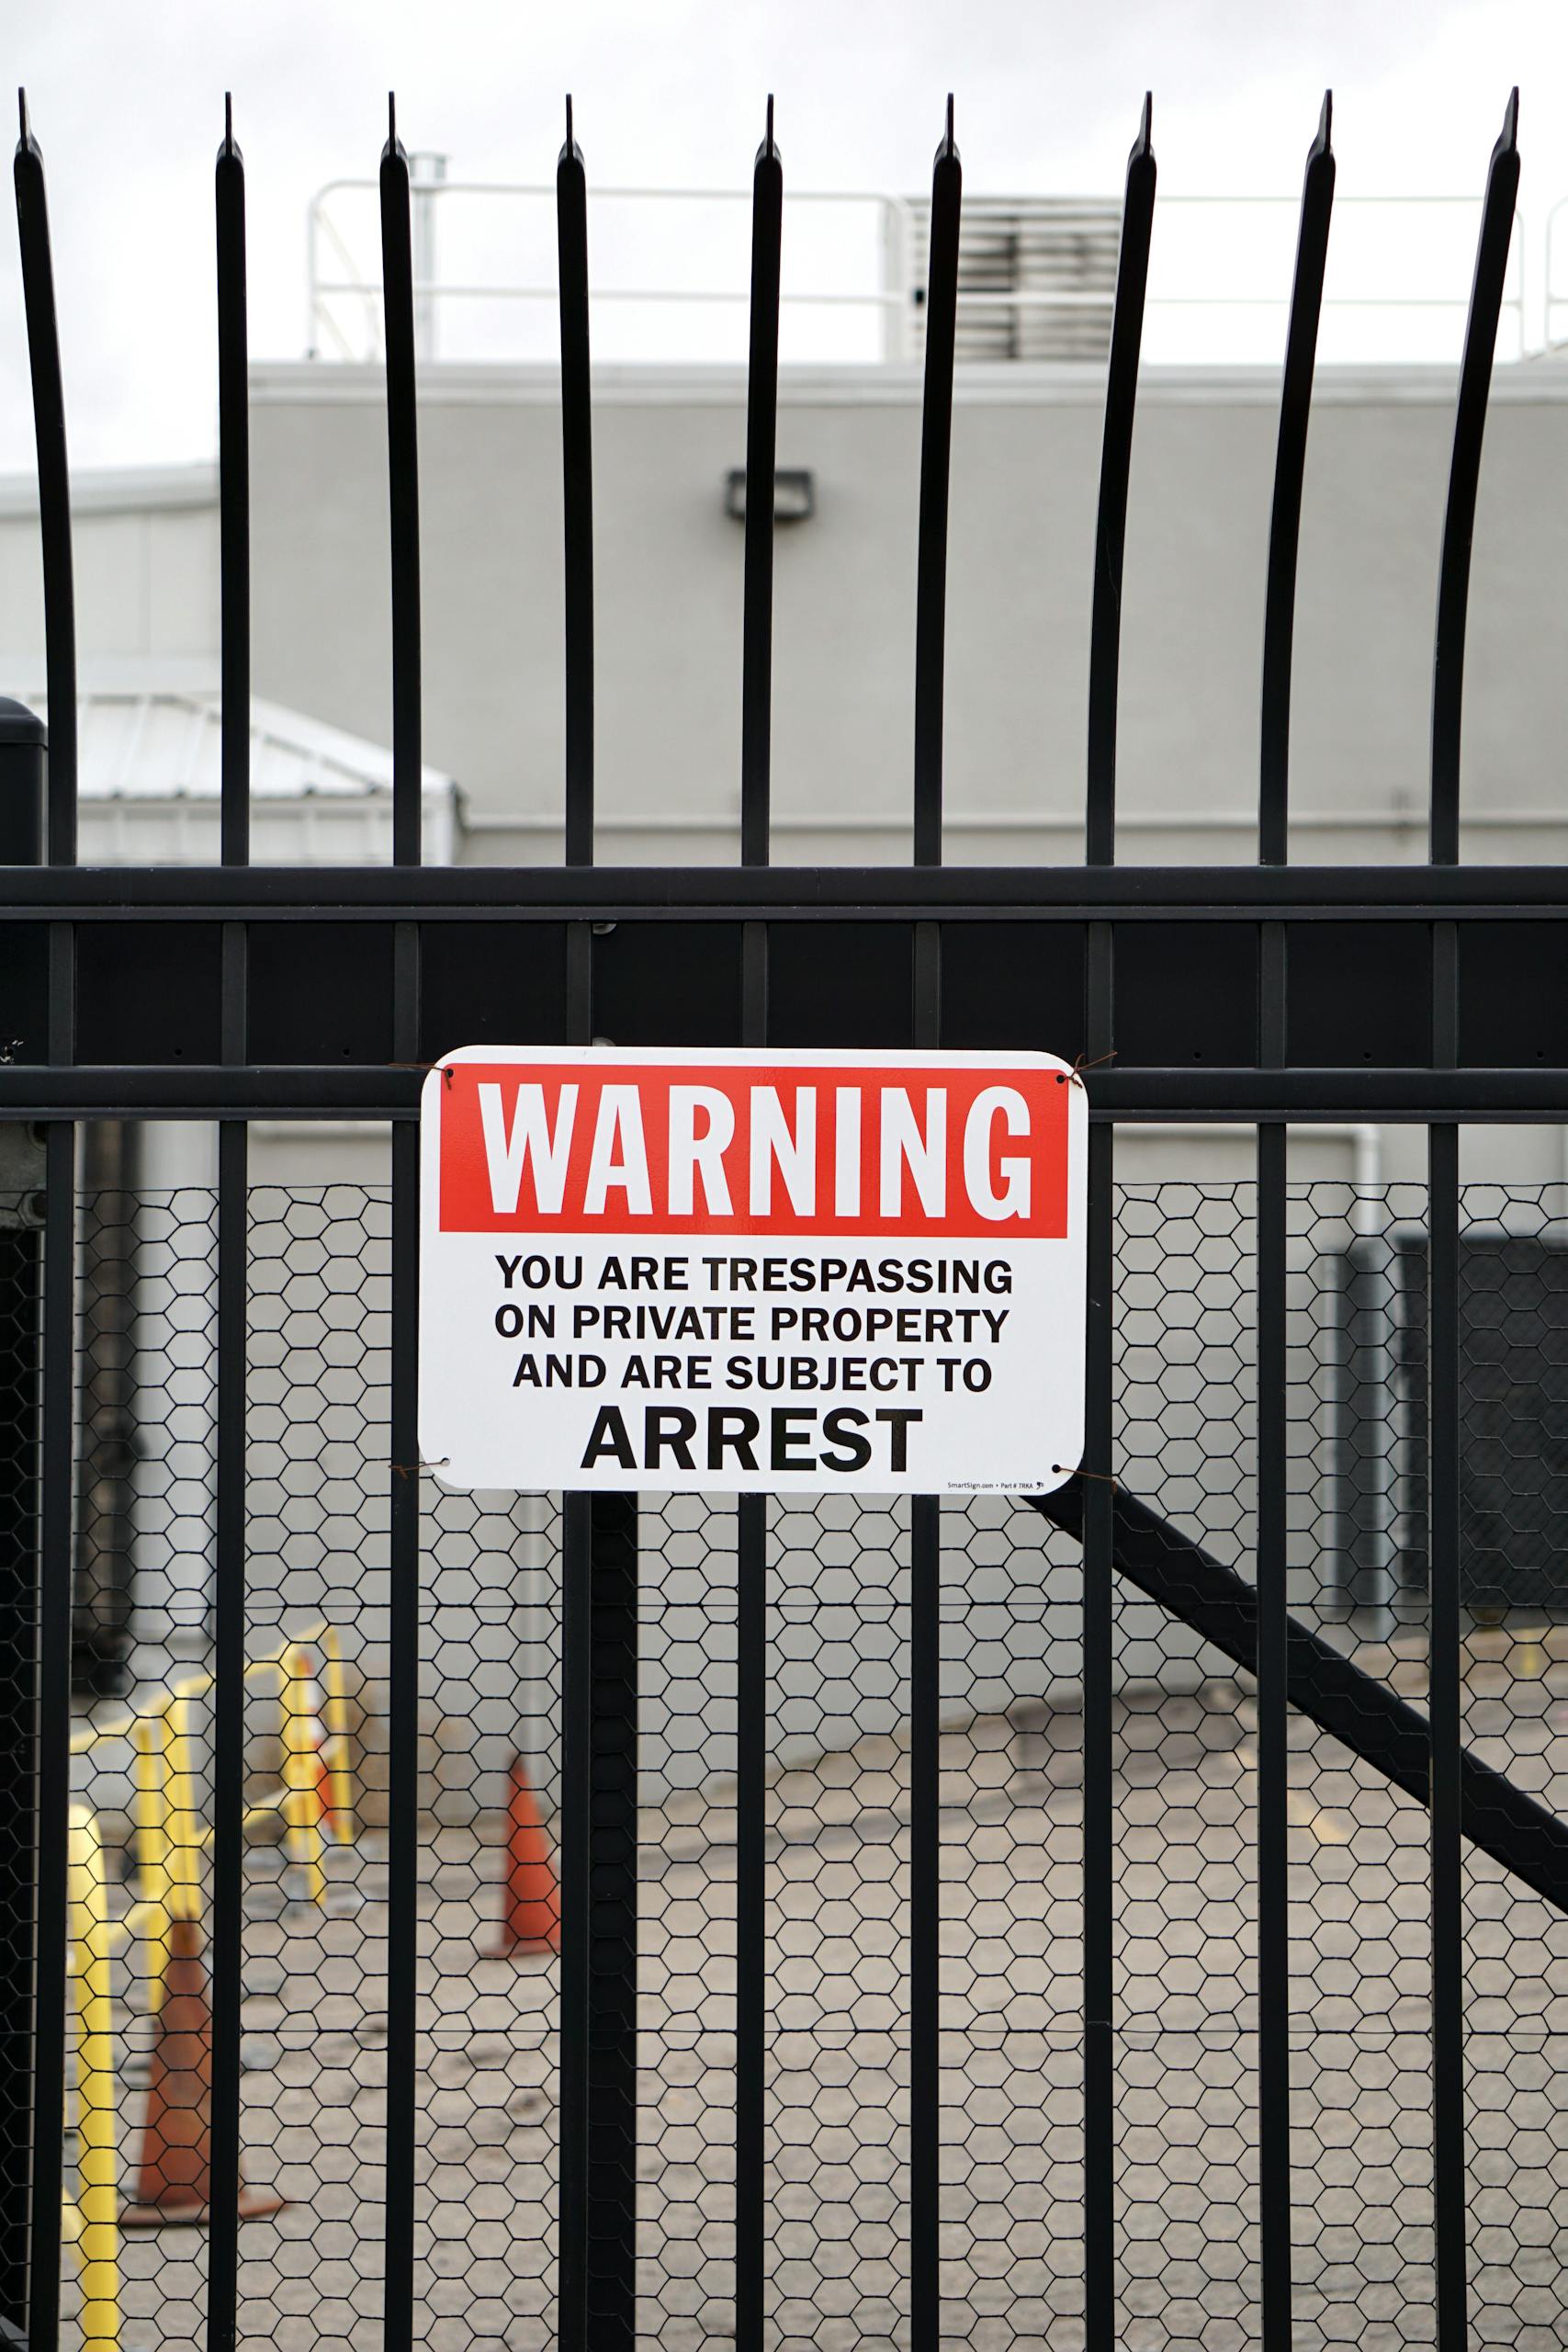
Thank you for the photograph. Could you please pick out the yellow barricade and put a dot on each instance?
(315, 1800)
(303, 1805)
(91, 2224)
(316, 1797)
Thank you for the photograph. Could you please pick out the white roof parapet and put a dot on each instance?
(150, 783)
(118, 489)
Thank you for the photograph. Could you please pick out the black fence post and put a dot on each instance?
(22, 742)
(1100, 2115)
(597, 2293)
(402, 2326)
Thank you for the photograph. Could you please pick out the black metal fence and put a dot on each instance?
(883, 2118)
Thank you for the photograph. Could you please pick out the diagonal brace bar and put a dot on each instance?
(1356, 1709)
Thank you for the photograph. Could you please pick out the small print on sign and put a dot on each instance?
(751, 1273)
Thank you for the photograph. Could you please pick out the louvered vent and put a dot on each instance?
(1036, 276)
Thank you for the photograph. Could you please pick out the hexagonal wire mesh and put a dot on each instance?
(837, 2082)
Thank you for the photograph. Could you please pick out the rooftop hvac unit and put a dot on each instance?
(1036, 276)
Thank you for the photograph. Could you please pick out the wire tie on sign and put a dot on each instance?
(1081, 1065)
(1106, 1476)
(414, 1469)
(445, 1067)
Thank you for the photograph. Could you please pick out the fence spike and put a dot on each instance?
(1290, 466)
(1115, 467)
(233, 495)
(936, 460)
(402, 453)
(577, 492)
(54, 488)
(1464, 474)
(762, 454)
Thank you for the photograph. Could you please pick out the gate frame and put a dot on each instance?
(231, 968)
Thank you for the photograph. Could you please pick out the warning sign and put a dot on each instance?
(751, 1272)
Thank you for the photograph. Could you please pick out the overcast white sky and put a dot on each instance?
(127, 104)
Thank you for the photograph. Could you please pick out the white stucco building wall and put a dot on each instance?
(669, 576)
(668, 583)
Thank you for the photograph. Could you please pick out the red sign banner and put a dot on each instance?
(836, 1150)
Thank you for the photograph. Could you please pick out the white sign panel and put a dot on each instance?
(752, 1272)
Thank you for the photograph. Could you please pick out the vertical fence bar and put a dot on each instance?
(53, 491)
(1273, 1736)
(577, 1522)
(752, 1510)
(1099, 1809)
(55, 1534)
(1443, 1331)
(612, 1929)
(233, 498)
(21, 1278)
(600, 1616)
(402, 1778)
(925, 1510)
(751, 1918)
(1444, 1438)
(1099, 839)
(1273, 1748)
(54, 1690)
(577, 1760)
(228, 1532)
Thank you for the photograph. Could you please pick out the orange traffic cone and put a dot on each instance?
(173, 2181)
(531, 1921)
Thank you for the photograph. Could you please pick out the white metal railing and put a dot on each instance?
(1554, 299)
(361, 289)
(1226, 257)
